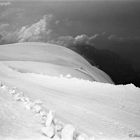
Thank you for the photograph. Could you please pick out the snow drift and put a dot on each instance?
(52, 54)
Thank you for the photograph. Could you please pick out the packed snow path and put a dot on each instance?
(102, 110)
(51, 128)
(99, 110)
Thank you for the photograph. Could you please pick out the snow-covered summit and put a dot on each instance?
(81, 95)
(60, 57)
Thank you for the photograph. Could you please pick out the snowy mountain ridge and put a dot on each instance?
(80, 94)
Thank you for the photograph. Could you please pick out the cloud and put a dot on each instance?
(5, 3)
(77, 40)
(6, 36)
(63, 41)
(12, 14)
(29, 33)
(84, 39)
(81, 39)
(98, 40)
(39, 31)
(123, 39)
(3, 26)
(9, 37)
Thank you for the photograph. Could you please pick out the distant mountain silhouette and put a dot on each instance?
(118, 68)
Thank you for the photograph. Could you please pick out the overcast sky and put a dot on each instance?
(88, 17)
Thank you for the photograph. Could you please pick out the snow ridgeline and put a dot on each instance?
(52, 128)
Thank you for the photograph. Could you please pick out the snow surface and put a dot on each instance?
(80, 94)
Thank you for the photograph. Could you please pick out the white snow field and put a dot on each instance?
(53, 78)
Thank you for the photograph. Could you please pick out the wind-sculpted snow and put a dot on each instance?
(48, 92)
(51, 54)
(51, 127)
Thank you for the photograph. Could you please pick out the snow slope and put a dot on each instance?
(80, 94)
(51, 54)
